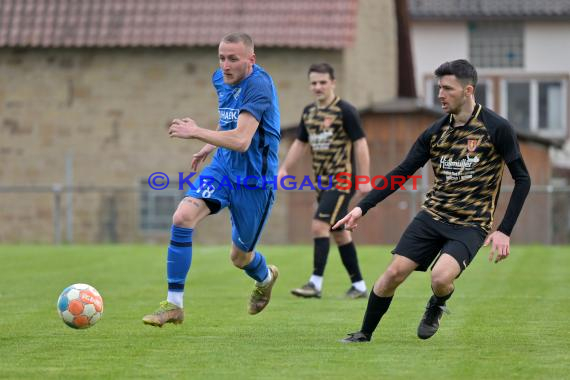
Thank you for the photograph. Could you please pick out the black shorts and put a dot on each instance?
(426, 237)
(332, 206)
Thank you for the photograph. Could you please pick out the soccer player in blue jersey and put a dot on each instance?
(247, 139)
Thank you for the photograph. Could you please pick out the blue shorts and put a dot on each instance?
(249, 207)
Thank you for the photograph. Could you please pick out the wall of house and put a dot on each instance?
(370, 64)
(434, 43)
(547, 47)
(548, 52)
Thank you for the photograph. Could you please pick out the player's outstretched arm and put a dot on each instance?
(416, 158)
(237, 139)
(349, 221)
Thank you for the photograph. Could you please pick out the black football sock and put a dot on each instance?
(350, 261)
(376, 308)
(440, 301)
(321, 253)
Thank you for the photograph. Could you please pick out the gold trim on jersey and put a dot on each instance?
(495, 197)
(337, 208)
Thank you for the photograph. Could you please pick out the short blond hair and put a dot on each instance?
(236, 37)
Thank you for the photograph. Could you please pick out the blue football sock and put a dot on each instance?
(257, 268)
(179, 258)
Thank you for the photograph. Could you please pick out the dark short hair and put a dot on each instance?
(461, 68)
(322, 68)
(237, 37)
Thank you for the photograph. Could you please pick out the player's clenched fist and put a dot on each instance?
(184, 129)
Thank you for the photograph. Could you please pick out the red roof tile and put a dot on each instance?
(99, 23)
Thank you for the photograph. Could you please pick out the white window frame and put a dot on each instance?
(533, 106)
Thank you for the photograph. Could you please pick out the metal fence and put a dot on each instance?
(58, 214)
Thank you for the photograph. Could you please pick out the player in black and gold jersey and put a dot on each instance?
(330, 128)
(467, 149)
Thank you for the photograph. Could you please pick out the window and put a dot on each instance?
(550, 105)
(518, 108)
(157, 206)
(496, 44)
(535, 105)
(483, 93)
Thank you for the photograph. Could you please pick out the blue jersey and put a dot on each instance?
(255, 94)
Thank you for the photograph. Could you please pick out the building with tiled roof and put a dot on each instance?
(87, 88)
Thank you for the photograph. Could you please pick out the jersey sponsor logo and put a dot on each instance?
(321, 141)
(458, 170)
(465, 163)
(228, 115)
(472, 145)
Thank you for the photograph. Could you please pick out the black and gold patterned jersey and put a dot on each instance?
(467, 162)
(330, 132)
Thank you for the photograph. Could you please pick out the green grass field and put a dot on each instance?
(509, 320)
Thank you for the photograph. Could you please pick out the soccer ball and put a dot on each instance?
(80, 306)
